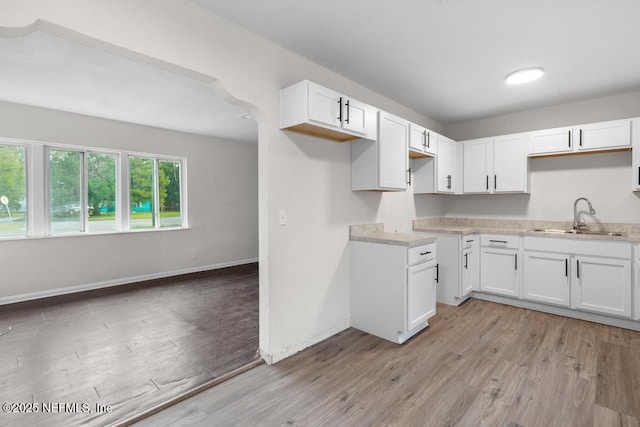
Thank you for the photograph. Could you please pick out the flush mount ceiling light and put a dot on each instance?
(524, 76)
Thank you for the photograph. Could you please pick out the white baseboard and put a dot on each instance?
(561, 311)
(277, 356)
(118, 282)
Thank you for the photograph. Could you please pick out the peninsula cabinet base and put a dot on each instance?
(561, 311)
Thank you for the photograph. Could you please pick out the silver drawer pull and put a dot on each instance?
(469, 241)
(498, 241)
(425, 253)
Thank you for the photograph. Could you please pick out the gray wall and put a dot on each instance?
(222, 208)
(556, 182)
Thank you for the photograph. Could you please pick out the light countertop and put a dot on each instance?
(521, 227)
(374, 233)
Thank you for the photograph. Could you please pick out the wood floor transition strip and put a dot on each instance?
(187, 394)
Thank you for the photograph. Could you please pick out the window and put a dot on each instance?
(154, 193)
(85, 191)
(142, 193)
(101, 192)
(169, 193)
(13, 191)
(65, 192)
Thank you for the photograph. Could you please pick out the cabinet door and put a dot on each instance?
(324, 105)
(446, 165)
(635, 134)
(551, 141)
(468, 271)
(546, 278)
(358, 117)
(604, 135)
(499, 271)
(509, 164)
(478, 165)
(636, 285)
(602, 285)
(392, 152)
(417, 138)
(421, 294)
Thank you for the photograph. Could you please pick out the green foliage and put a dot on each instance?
(65, 170)
(12, 177)
(169, 184)
(141, 177)
(102, 181)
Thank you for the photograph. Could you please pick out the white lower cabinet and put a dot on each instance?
(421, 301)
(546, 278)
(586, 275)
(469, 271)
(602, 285)
(636, 283)
(458, 272)
(500, 270)
(393, 289)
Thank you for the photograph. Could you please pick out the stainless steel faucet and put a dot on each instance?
(577, 225)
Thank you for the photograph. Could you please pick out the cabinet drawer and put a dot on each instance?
(422, 253)
(500, 241)
(468, 240)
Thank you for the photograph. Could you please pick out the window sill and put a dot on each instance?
(107, 233)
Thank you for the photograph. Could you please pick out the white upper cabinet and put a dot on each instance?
(604, 135)
(449, 177)
(311, 109)
(496, 165)
(439, 174)
(635, 137)
(610, 135)
(382, 165)
(478, 165)
(510, 164)
(551, 141)
(422, 141)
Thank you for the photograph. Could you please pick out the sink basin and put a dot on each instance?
(588, 232)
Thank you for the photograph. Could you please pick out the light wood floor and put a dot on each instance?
(478, 364)
(130, 347)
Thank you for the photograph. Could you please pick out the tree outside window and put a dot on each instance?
(13, 191)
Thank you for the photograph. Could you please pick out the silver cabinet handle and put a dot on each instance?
(340, 110)
(498, 241)
(347, 105)
(425, 253)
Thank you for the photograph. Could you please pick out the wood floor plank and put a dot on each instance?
(131, 347)
(477, 364)
(618, 378)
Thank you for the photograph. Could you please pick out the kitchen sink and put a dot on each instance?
(572, 231)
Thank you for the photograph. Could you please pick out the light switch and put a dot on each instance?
(282, 215)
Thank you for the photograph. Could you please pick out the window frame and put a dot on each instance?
(156, 191)
(38, 188)
(27, 180)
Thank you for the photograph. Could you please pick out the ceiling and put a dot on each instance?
(47, 71)
(447, 59)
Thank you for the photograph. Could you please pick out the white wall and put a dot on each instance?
(304, 266)
(222, 205)
(556, 182)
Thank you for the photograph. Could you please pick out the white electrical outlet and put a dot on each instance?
(365, 213)
(282, 217)
(194, 255)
